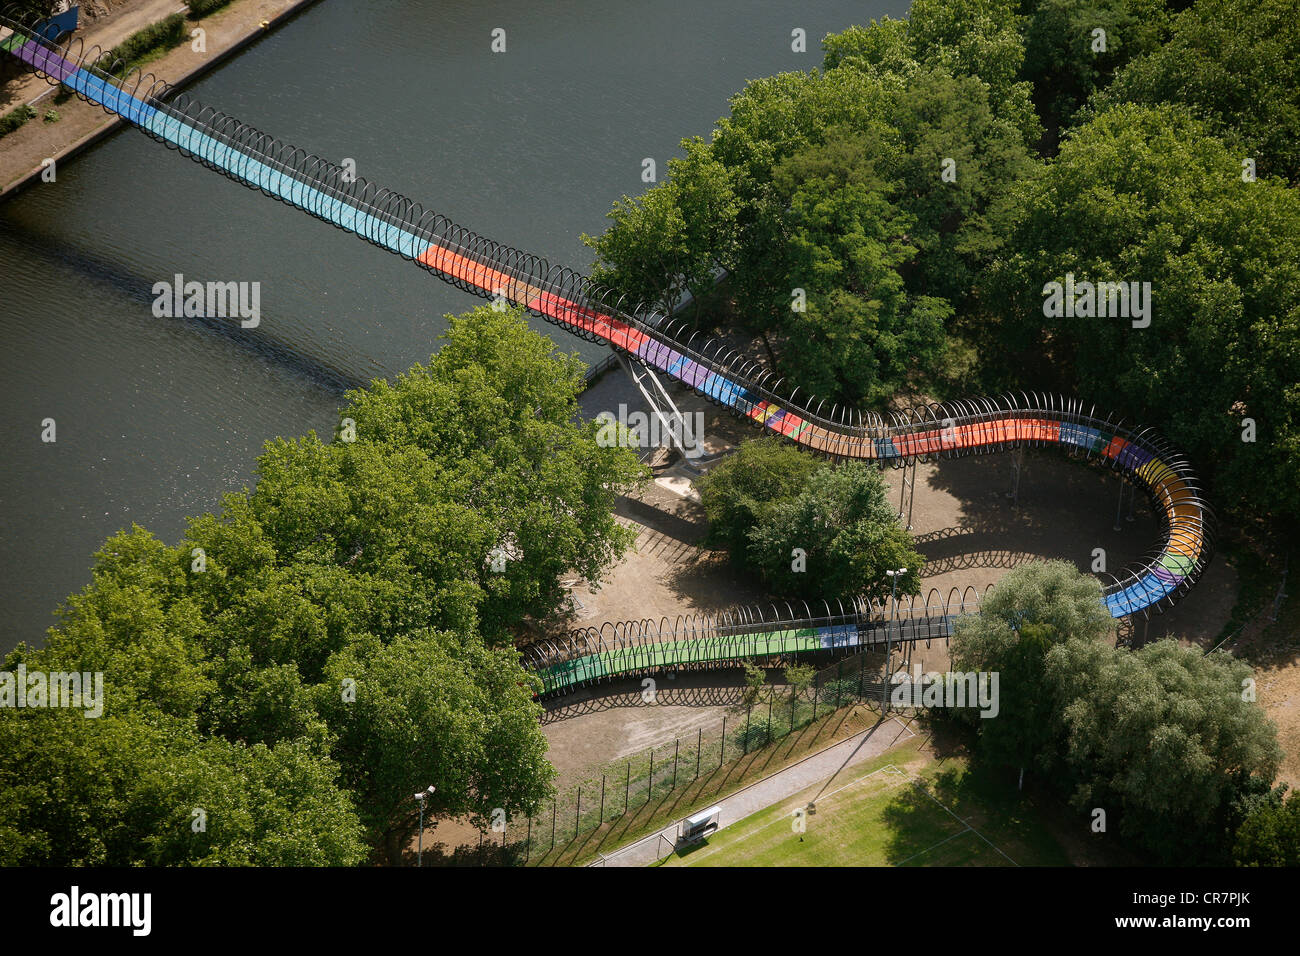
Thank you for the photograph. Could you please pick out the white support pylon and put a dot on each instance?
(678, 433)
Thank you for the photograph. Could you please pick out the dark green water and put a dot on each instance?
(157, 418)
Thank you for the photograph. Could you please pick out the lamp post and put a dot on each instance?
(894, 575)
(419, 798)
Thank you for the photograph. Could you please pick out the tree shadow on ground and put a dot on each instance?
(972, 812)
(931, 821)
(1063, 505)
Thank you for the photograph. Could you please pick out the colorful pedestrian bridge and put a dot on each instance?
(573, 302)
(707, 641)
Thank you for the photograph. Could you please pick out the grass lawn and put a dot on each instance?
(905, 808)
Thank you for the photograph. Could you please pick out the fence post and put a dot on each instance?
(528, 842)
(577, 812)
(627, 788)
(722, 744)
(745, 740)
(699, 741)
(768, 737)
(816, 694)
(676, 747)
(650, 787)
(602, 800)
(553, 799)
(839, 682)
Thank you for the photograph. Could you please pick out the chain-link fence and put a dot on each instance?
(628, 787)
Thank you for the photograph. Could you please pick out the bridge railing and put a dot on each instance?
(618, 650)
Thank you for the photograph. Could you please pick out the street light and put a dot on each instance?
(419, 797)
(894, 575)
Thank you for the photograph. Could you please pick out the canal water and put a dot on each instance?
(157, 418)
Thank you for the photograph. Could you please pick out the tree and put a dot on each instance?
(978, 38)
(883, 46)
(261, 806)
(1032, 608)
(1142, 194)
(1164, 737)
(434, 709)
(959, 223)
(1021, 735)
(134, 624)
(1270, 835)
(1054, 595)
(361, 538)
(1236, 68)
(755, 681)
(334, 639)
(738, 492)
(672, 240)
(1067, 59)
(850, 208)
(497, 411)
(130, 790)
(860, 333)
(800, 678)
(1161, 738)
(848, 535)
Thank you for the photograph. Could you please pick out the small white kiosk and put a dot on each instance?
(698, 825)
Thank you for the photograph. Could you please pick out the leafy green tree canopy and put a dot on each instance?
(1270, 836)
(1146, 195)
(835, 539)
(1236, 67)
(1164, 736)
(1052, 594)
(740, 490)
(810, 530)
(1073, 48)
(1032, 608)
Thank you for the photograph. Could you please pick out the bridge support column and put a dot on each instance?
(1126, 633)
(1017, 459)
(1119, 505)
(907, 493)
(1281, 590)
(657, 397)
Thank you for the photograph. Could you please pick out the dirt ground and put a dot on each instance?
(628, 727)
(1273, 648)
(972, 533)
(23, 150)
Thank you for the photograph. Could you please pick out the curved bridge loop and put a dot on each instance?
(572, 301)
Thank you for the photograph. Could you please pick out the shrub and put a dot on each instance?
(201, 8)
(154, 39)
(15, 118)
